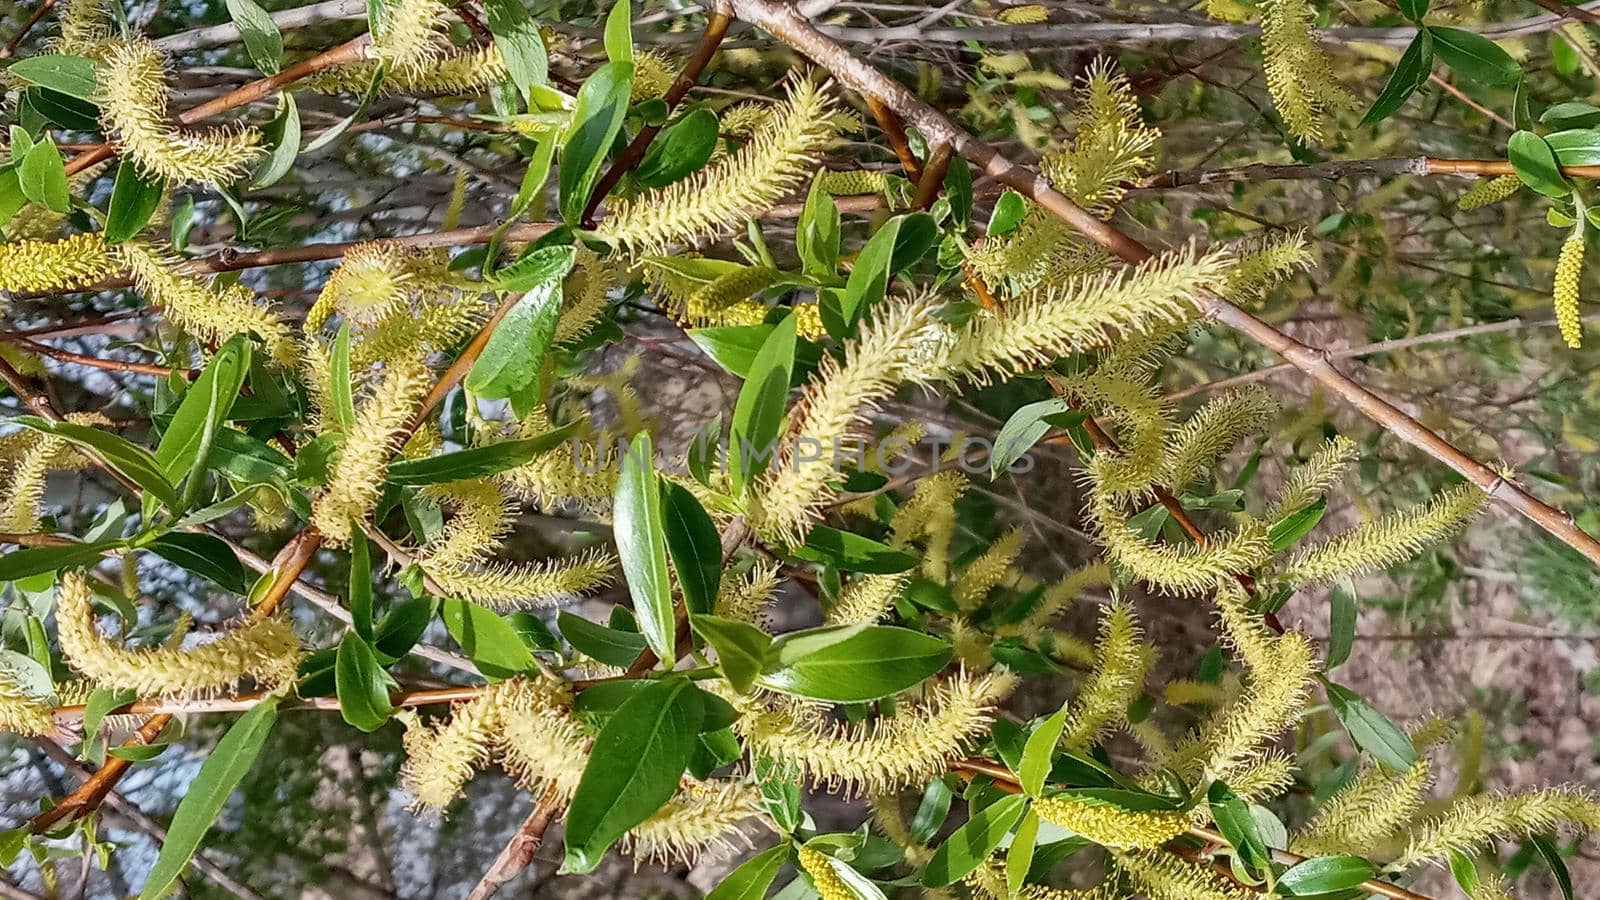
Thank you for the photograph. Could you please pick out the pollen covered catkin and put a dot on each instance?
(132, 97)
(356, 479)
(21, 712)
(201, 308)
(1112, 826)
(829, 884)
(263, 649)
(74, 261)
(1569, 273)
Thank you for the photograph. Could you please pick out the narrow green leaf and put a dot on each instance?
(134, 199)
(360, 600)
(741, 647)
(680, 150)
(634, 767)
(1007, 214)
(70, 75)
(19, 564)
(1475, 56)
(1296, 525)
(1371, 730)
(204, 795)
(1552, 857)
(694, 545)
(512, 357)
(602, 105)
(869, 279)
(1238, 826)
(974, 842)
(619, 32)
(262, 40)
(44, 177)
(1019, 857)
(751, 880)
(204, 555)
(850, 664)
(1410, 73)
(640, 530)
(517, 35)
(283, 136)
(1039, 753)
(204, 408)
(1414, 9)
(1341, 623)
(361, 684)
(758, 413)
(611, 646)
(488, 640)
(1464, 872)
(477, 462)
(1325, 875)
(851, 552)
(1021, 431)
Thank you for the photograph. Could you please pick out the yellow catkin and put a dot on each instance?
(1056, 597)
(1004, 63)
(914, 744)
(827, 881)
(988, 882)
(839, 183)
(1389, 540)
(1196, 445)
(1472, 822)
(75, 261)
(265, 650)
(1133, 404)
(583, 471)
(371, 281)
(27, 461)
(652, 75)
(461, 73)
(1027, 14)
(1270, 703)
(726, 290)
(1183, 692)
(132, 97)
(210, 313)
(1489, 191)
(585, 296)
(1370, 809)
(1310, 481)
(442, 758)
(21, 712)
(703, 817)
(808, 321)
(987, 571)
(1569, 272)
(933, 497)
(867, 598)
(356, 478)
(1118, 677)
(540, 742)
(1265, 263)
(742, 599)
(84, 25)
(1164, 876)
(1264, 778)
(721, 197)
(1187, 569)
(410, 40)
(1299, 73)
(1111, 826)
(836, 401)
(506, 587)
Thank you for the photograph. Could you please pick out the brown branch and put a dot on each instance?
(39, 11)
(783, 23)
(95, 362)
(520, 850)
(34, 539)
(895, 131)
(716, 29)
(353, 50)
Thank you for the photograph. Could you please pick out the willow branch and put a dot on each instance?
(520, 850)
(783, 23)
(39, 11)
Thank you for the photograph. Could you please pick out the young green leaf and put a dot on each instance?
(134, 199)
(510, 361)
(751, 880)
(851, 552)
(204, 795)
(1019, 856)
(974, 842)
(488, 640)
(680, 150)
(1535, 163)
(1551, 855)
(1371, 730)
(1039, 752)
(283, 136)
(1410, 73)
(640, 529)
(44, 177)
(612, 646)
(742, 648)
(204, 555)
(852, 664)
(360, 599)
(758, 413)
(1475, 56)
(262, 41)
(477, 462)
(1020, 432)
(1325, 875)
(69, 75)
(204, 408)
(516, 34)
(694, 545)
(1234, 820)
(362, 685)
(131, 460)
(1341, 623)
(634, 767)
(602, 106)
(618, 37)
(1296, 525)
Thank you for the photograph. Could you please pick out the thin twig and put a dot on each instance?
(520, 850)
(39, 11)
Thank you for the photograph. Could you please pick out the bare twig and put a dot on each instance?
(39, 12)
(520, 850)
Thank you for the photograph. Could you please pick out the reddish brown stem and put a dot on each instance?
(39, 11)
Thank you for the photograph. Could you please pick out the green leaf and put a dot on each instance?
(634, 767)
(204, 555)
(851, 552)
(758, 413)
(741, 647)
(11, 199)
(360, 600)
(283, 136)
(262, 41)
(735, 347)
(1039, 753)
(344, 403)
(1341, 623)
(517, 35)
(511, 359)
(1325, 874)
(70, 75)
(816, 235)
(679, 150)
(1571, 114)
(362, 685)
(1575, 147)
(974, 842)
(44, 177)
(1475, 56)
(204, 408)
(205, 794)
(640, 529)
(1019, 856)
(130, 460)
(848, 664)
(1552, 858)
(695, 547)
(931, 812)
(488, 640)
(1296, 525)
(1371, 730)
(477, 462)
(901, 241)
(1007, 214)
(751, 880)
(20, 564)
(134, 199)
(1410, 73)
(1414, 9)
(1464, 872)
(1535, 163)
(596, 119)
(611, 646)
(1238, 826)
(618, 36)
(1020, 432)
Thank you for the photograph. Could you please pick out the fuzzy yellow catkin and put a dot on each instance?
(1264, 778)
(824, 878)
(727, 290)
(465, 72)
(1082, 314)
(1299, 73)
(210, 313)
(1471, 822)
(1392, 539)
(26, 463)
(1271, 702)
(703, 817)
(847, 182)
(933, 497)
(1111, 826)
(988, 882)
(508, 587)
(410, 40)
(584, 298)
(20, 711)
(1118, 676)
(1262, 266)
(1164, 876)
(264, 650)
(1188, 569)
(653, 74)
(132, 97)
(371, 281)
(1004, 63)
(1370, 809)
(1184, 692)
(915, 744)
(442, 758)
(1196, 445)
(84, 24)
(1489, 191)
(987, 571)
(721, 197)
(808, 321)
(37, 266)
(1134, 405)
(356, 479)
(1310, 481)
(1569, 273)
(742, 599)
(1026, 14)
(1058, 595)
(866, 598)
(583, 472)
(836, 400)
(540, 742)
